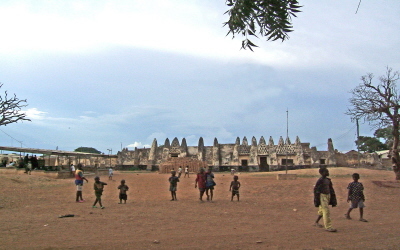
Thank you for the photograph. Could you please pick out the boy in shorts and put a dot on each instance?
(173, 181)
(235, 185)
(356, 197)
(122, 192)
(98, 191)
(210, 183)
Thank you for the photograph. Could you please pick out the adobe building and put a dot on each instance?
(241, 155)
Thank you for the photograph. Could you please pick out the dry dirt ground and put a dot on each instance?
(272, 214)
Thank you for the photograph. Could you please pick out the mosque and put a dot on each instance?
(241, 155)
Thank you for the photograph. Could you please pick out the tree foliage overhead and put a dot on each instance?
(385, 134)
(370, 144)
(10, 109)
(87, 150)
(268, 18)
(379, 104)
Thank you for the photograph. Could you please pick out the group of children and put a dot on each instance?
(324, 195)
(98, 187)
(205, 182)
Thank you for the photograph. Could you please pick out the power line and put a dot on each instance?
(340, 137)
(13, 138)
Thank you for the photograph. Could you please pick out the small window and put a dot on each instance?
(289, 162)
(322, 161)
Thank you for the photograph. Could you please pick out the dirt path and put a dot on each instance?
(276, 214)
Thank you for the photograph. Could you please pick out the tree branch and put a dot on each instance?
(10, 109)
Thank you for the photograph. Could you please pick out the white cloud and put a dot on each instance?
(35, 114)
(138, 145)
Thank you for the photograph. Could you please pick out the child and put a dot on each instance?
(235, 185)
(98, 191)
(356, 197)
(324, 195)
(186, 172)
(79, 178)
(210, 183)
(201, 182)
(72, 168)
(173, 180)
(110, 173)
(179, 172)
(122, 192)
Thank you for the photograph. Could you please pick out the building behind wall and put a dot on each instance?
(241, 155)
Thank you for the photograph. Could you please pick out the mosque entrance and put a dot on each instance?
(244, 166)
(264, 167)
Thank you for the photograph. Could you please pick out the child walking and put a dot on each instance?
(110, 173)
(324, 195)
(235, 185)
(122, 192)
(210, 183)
(201, 183)
(173, 180)
(98, 191)
(186, 172)
(356, 197)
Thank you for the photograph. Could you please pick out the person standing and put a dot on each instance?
(173, 181)
(26, 160)
(34, 161)
(79, 182)
(72, 168)
(110, 173)
(324, 195)
(235, 185)
(98, 191)
(179, 172)
(201, 183)
(123, 188)
(210, 183)
(29, 167)
(356, 197)
(186, 172)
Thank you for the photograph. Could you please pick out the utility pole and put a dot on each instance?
(358, 142)
(287, 136)
(21, 148)
(109, 155)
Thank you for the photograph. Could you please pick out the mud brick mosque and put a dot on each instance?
(241, 155)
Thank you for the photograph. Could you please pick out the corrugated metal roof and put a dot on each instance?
(53, 152)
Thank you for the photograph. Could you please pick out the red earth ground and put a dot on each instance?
(272, 214)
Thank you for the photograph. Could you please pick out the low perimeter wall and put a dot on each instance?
(50, 174)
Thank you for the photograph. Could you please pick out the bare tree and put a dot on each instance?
(10, 109)
(379, 105)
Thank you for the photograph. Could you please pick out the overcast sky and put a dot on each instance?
(107, 74)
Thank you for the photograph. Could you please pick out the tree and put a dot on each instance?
(269, 18)
(379, 104)
(87, 150)
(386, 134)
(370, 144)
(10, 109)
